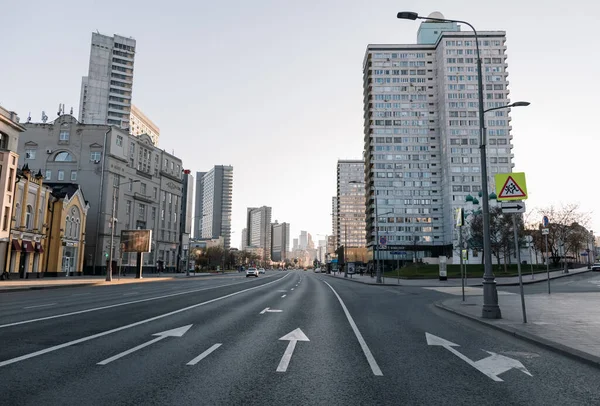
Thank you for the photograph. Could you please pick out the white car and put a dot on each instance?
(261, 270)
(596, 267)
(252, 272)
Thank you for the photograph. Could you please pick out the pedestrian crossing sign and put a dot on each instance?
(511, 186)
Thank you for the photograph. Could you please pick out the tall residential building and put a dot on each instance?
(421, 133)
(351, 226)
(295, 247)
(280, 241)
(244, 238)
(9, 141)
(140, 124)
(334, 220)
(115, 169)
(106, 90)
(303, 244)
(214, 190)
(259, 229)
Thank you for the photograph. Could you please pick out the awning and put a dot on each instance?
(27, 246)
(38, 247)
(15, 246)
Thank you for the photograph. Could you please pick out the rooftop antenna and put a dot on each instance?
(71, 113)
(58, 112)
(44, 117)
(29, 117)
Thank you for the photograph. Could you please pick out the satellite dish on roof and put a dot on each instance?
(436, 14)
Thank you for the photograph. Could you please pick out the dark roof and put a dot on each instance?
(60, 190)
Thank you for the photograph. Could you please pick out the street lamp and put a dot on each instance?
(113, 220)
(490, 310)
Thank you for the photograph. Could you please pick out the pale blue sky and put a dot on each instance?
(274, 88)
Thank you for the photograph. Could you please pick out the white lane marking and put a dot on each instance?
(138, 323)
(293, 337)
(42, 305)
(80, 294)
(17, 323)
(282, 290)
(292, 289)
(203, 355)
(269, 310)
(176, 332)
(283, 296)
(374, 367)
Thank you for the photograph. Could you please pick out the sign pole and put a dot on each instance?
(460, 252)
(514, 218)
(547, 264)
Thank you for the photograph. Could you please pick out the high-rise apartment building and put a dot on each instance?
(280, 241)
(350, 210)
(295, 247)
(214, 199)
(303, 243)
(334, 220)
(258, 229)
(140, 124)
(106, 90)
(421, 134)
(244, 238)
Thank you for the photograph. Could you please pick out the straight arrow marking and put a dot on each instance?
(203, 355)
(293, 337)
(176, 332)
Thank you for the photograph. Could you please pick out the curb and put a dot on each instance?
(532, 338)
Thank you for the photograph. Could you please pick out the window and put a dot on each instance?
(5, 218)
(154, 213)
(30, 153)
(143, 188)
(11, 173)
(142, 210)
(119, 141)
(73, 175)
(95, 155)
(155, 193)
(28, 213)
(128, 207)
(61, 174)
(63, 157)
(64, 136)
(48, 175)
(130, 186)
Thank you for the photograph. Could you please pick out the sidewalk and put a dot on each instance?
(78, 281)
(568, 323)
(501, 281)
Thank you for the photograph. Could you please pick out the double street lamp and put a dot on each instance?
(491, 310)
(113, 222)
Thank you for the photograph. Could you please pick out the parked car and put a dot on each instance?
(596, 266)
(252, 272)
(261, 270)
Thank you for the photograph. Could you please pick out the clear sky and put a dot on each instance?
(274, 87)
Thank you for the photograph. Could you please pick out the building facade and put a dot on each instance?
(351, 225)
(421, 134)
(214, 200)
(280, 241)
(258, 229)
(106, 90)
(334, 220)
(140, 124)
(10, 130)
(144, 182)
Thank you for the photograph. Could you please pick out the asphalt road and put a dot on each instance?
(366, 346)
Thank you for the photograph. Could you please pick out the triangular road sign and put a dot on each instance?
(511, 190)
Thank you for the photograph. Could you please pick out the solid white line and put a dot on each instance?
(139, 347)
(203, 355)
(287, 356)
(104, 333)
(43, 305)
(283, 296)
(374, 367)
(17, 323)
(80, 294)
(131, 293)
(292, 289)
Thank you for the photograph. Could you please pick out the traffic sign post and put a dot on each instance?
(546, 231)
(513, 207)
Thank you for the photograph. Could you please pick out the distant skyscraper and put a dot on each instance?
(310, 243)
(140, 124)
(280, 241)
(334, 220)
(244, 238)
(214, 191)
(303, 240)
(422, 137)
(351, 226)
(106, 90)
(259, 229)
(295, 246)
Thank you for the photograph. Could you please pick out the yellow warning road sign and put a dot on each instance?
(511, 186)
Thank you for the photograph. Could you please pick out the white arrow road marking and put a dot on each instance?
(137, 323)
(292, 288)
(42, 305)
(293, 337)
(283, 296)
(203, 355)
(282, 290)
(269, 310)
(370, 359)
(176, 332)
(491, 366)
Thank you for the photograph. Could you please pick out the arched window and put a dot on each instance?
(67, 227)
(28, 218)
(63, 157)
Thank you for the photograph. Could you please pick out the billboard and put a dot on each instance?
(136, 240)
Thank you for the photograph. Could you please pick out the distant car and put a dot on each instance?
(252, 272)
(596, 266)
(261, 270)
